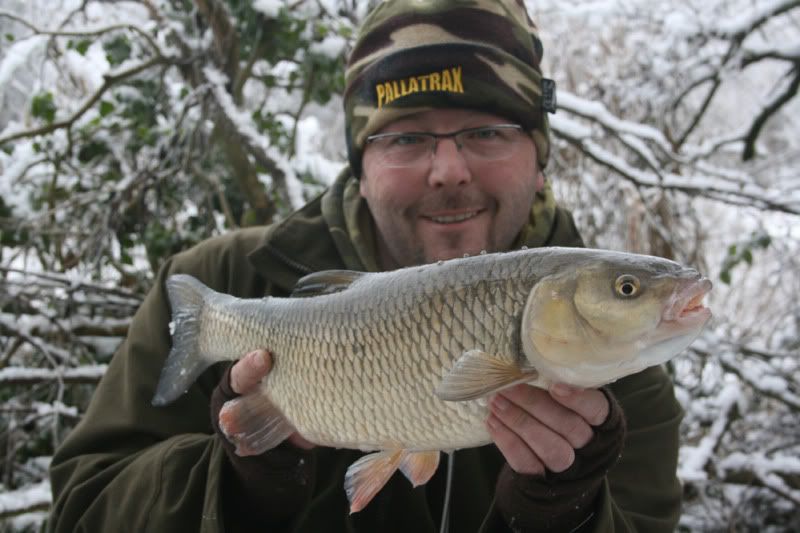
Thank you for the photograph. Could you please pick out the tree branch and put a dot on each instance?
(109, 80)
(226, 38)
(89, 374)
(84, 32)
(739, 29)
(28, 499)
(769, 110)
(750, 194)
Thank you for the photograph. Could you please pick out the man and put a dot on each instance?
(447, 135)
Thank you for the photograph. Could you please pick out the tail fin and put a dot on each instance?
(186, 362)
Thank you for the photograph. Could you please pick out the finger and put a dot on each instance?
(540, 405)
(551, 448)
(517, 454)
(250, 370)
(591, 404)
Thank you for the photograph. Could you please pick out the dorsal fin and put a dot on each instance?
(325, 282)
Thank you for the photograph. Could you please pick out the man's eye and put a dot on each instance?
(406, 140)
(486, 134)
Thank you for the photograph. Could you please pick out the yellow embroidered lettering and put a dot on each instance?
(389, 94)
(447, 81)
(381, 92)
(436, 82)
(458, 87)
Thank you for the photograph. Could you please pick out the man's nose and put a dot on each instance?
(448, 166)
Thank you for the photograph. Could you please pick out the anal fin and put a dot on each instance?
(253, 423)
(477, 373)
(367, 476)
(419, 467)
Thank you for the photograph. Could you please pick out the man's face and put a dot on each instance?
(452, 204)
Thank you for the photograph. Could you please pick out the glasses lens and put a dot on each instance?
(488, 143)
(491, 143)
(403, 149)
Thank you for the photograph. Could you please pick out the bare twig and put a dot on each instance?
(769, 110)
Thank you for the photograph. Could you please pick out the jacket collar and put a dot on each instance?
(311, 239)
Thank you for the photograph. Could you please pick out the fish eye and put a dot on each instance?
(627, 286)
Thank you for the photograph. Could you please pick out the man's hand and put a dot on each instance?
(248, 372)
(537, 429)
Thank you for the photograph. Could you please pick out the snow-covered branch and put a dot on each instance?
(779, 473)
(696, 458)
(85, 32)
(769, 109)
(735, 193)
(109, 81)
(762, 378)
(32, 376)
(28, 499)
(751, 20)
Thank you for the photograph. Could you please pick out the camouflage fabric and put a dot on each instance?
(415, 55)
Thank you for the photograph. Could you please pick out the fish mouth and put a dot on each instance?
(686, 306)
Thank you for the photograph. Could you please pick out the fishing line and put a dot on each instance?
(445, 527)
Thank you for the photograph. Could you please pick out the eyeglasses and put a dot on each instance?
(408, 149)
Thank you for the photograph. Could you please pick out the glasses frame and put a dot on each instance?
(438, 136)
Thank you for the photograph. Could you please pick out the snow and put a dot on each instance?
(88, 372)
(270, 8)
(240, 119)
(693, 459)
(752, 17)
(32, 496)
(331, 46)
(613, 58)
(17, 55)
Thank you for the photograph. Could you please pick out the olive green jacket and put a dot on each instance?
(129, 466)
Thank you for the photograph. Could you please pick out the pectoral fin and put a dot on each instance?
(419, 467)
(253, 423)
(367, 476)
(476, 374)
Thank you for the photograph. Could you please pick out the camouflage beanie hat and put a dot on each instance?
(416, 55)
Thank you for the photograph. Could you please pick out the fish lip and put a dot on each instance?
(686, 305)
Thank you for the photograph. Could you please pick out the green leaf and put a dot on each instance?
(43, 107)
(747, 255)
(10, 37)
(117, 50)
(82, 46)
(725, 277)
(92, 150)
(106, 108)
(732, 249)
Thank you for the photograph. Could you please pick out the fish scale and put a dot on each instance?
(402, 362)
(411, 344)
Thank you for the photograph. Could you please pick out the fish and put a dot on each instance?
(400, 364)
